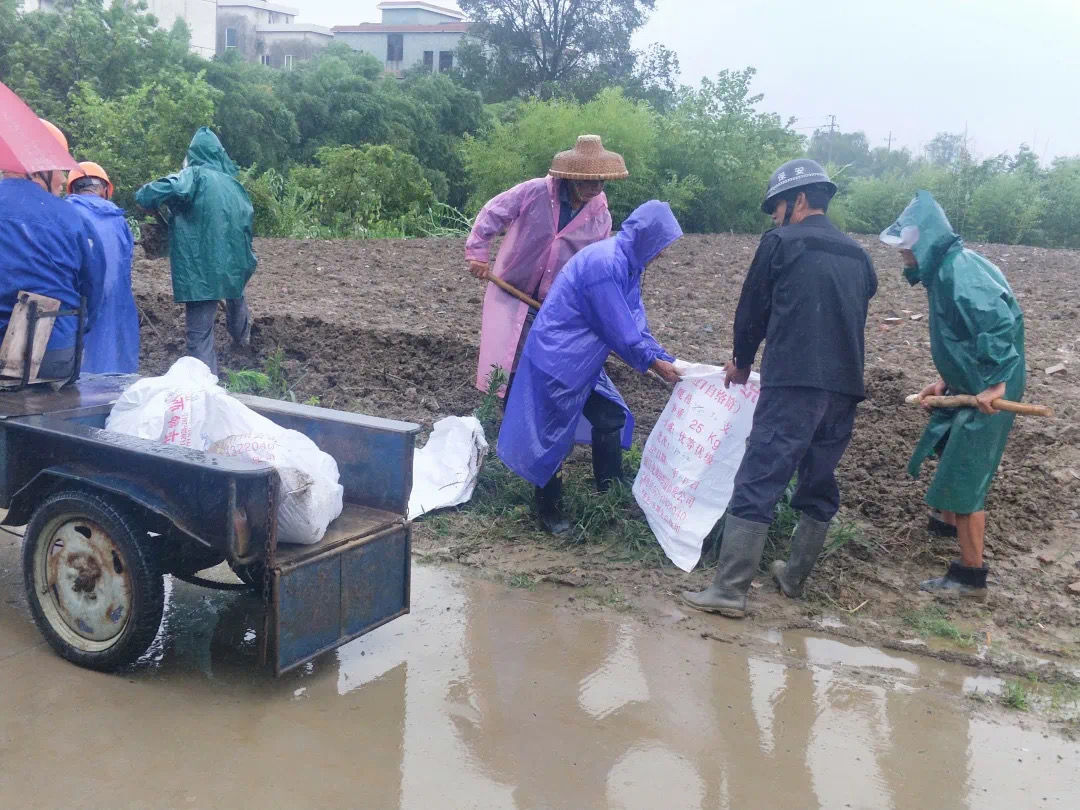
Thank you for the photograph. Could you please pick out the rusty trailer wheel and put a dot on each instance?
(93, 584)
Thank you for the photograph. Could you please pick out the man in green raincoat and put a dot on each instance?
(977, 342)
(210, 222)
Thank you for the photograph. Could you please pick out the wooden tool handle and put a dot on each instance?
(968, 401)
(532, 302)
(514, 291)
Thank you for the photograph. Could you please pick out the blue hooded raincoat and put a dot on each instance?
(113, 347)
(594, 308)
(48, 249)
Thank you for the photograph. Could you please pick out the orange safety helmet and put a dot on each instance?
(56, 133)
(90, 169)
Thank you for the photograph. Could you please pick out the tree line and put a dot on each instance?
(335, 148)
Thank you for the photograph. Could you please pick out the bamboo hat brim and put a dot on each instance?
(588, 160)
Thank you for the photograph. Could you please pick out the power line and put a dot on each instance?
(832, 136)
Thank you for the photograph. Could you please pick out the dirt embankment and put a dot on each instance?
(390, 328)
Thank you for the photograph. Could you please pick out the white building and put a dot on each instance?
(410, 34)
(267, 33)
(261, 31)
(200, 16)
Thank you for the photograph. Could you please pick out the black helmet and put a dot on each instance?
(795, 174)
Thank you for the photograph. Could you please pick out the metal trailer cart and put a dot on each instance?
(108, 515)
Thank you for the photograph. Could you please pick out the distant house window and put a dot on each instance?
(230, 37)
(265, 59)
(446, 61)
(288, 61)
(429, 59)
(395, 47)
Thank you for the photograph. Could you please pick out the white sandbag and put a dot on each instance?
(170, 408)
(308, 503)
(186, 407)
(688, 466)
(445, 470)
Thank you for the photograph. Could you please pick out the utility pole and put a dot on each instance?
(832, 133)
(888, 149)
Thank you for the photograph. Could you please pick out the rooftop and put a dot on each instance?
(394, 4)
(293, 28)
(383, 28)
(274, 7)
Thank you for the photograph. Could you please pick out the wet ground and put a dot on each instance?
(389, 327)
(487, 697)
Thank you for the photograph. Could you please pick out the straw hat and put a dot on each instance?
(589, 160)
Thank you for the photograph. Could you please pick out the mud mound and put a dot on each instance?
(396, 375)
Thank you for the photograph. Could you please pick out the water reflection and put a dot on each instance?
(491, 698)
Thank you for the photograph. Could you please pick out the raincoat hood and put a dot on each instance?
(206, 150)
(649, 229)
(923, 229)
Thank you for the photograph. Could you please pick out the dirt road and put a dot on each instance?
(390, 328)
(487, 697)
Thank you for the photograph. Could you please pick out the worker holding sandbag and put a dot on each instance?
(806, 296)
(977, 343)
(594, 309)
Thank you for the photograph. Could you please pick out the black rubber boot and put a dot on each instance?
(549, 507)
(740, 553)
(607, 458)
(806, 545)
(936, 526)
(959, 580)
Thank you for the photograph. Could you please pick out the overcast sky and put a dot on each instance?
(1007, 70)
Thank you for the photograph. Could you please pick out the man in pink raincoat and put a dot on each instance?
(546, 222)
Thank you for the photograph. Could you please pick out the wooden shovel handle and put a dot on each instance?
(532, 302)
(514, 291)
(968, 401)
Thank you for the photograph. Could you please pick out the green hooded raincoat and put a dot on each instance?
(210, 220)
(976, 340)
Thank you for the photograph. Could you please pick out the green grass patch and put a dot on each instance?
(933, 621)
(246, 381)
(522, 581)
(844, 533)
(1016, 695)
(271, 381)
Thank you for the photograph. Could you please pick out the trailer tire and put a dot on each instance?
(93, 582)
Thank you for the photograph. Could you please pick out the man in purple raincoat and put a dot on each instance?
(593, 308)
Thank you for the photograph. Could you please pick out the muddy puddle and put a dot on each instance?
(487, 697)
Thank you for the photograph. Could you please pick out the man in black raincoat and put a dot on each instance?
(806, 295)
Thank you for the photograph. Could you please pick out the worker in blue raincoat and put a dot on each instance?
(593, 308)
(48, 249)
(977, 343)
(113, 347)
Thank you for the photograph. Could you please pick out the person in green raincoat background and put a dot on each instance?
(210, 231)
(977, 343)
